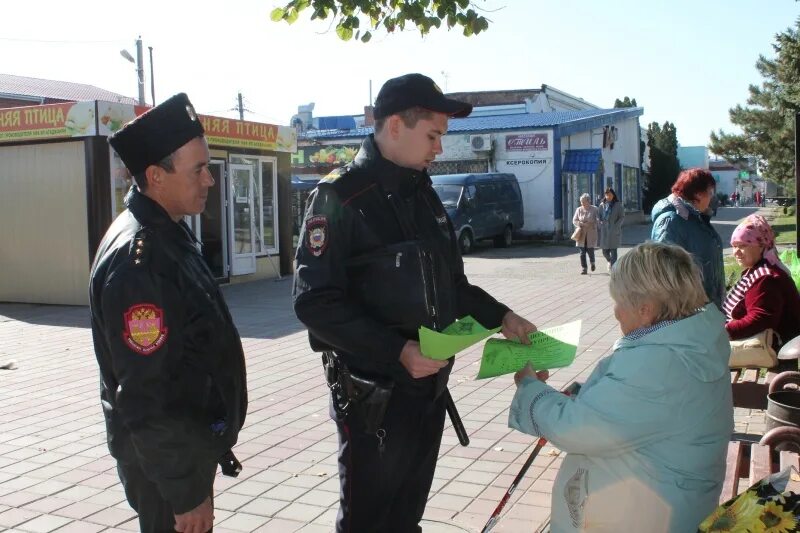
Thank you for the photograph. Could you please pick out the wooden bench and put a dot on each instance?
(750, 390)
(753, 461)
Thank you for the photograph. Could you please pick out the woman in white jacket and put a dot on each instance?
(647, 434)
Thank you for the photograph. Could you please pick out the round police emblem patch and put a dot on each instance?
(317, 235)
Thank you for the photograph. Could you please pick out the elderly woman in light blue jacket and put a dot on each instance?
(646, 436)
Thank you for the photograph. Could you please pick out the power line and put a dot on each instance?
(13, 39)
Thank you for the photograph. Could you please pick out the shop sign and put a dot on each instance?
(51, 121)
(84, 119)
(327, 155)
(527, 142)
(531, 162)
(234, 133)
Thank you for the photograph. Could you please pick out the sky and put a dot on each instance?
(684, 61)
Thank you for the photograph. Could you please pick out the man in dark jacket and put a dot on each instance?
(377, 259)
(172, 369)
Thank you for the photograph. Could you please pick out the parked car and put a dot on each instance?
(481, 206)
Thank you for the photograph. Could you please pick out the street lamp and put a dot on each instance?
(139, 66)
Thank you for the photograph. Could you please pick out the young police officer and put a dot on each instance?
(171, 363)
(377, 259)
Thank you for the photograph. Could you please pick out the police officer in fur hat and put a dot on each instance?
(377, 259)
(173, 383)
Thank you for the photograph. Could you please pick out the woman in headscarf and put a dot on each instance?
(765, 296)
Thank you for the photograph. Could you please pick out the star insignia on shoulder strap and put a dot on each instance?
(335, 175)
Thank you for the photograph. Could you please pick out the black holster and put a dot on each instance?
(366, 398)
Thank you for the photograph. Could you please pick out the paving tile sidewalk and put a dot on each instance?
(56, 475)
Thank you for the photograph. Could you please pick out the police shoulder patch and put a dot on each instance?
(145, 331)
(317, 234)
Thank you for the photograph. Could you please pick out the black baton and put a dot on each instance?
(450, 405)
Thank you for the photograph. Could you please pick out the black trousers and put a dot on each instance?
(386, 492)
(584, 250)
(155, 513)
(610, 254)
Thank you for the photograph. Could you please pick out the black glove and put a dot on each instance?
(229, 464)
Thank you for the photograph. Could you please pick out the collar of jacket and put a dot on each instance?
(150, 214)
(391, 176)
(683, 208)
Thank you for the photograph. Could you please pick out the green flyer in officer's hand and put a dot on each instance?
(549, 348)
(461, 334)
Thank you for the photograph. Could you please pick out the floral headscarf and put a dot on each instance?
(755, 230)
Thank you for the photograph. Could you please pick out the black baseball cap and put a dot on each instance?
(416, 90)
(156, 134)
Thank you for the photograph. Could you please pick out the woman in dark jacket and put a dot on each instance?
(765, 297)
(612, 214)
(680, 219)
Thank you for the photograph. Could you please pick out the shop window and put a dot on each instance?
(121, 181)
(630, 188)
(268, 203)
(458, 167)
(265, 177)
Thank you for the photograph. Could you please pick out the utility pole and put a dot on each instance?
(140, 70)
(241, 107)
(797, 177)
(152, 77)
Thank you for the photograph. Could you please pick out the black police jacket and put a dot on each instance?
(173, 383)
(361, 211)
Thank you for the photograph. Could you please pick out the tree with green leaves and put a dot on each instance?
(627, 102)
(664, 163)
(360, 18)
(767, 122)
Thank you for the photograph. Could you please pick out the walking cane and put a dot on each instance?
(569, 391)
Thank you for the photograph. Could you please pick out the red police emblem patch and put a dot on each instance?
(144, 328)
(317, 235)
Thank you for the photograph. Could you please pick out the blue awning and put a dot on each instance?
(582, 161)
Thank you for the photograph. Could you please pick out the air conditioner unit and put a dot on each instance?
(480, 143)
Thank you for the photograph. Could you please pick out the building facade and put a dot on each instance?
(61, 185)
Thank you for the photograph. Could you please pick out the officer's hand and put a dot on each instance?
(517, 328)
(198, 520)
(417, 364)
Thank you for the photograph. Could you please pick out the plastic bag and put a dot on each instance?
(790, 259)
(766, 506)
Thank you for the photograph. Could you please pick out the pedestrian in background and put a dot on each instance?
(612, 216)
(585, 221)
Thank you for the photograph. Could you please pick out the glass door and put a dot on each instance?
(242, 220)
(214, 223)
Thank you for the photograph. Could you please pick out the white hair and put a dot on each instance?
(585, 196)
(662, 274)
